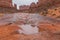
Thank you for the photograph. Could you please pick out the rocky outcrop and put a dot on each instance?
(6, 3)
(24, 8)
(43, 5)
(52, 12)
(49, 8)
(8, 10)
(6, 6)
(49, 2)
(55, 13)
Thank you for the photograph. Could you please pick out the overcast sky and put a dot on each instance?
(23, 2)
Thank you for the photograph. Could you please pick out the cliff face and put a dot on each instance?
(6, 3)
(6, 6)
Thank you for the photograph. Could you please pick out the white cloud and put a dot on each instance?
(23, 2)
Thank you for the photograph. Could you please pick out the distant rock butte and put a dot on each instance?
(40, 5)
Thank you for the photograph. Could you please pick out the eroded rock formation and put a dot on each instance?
(6, 3)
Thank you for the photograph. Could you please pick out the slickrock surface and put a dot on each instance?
(5, 30)
(48, 28)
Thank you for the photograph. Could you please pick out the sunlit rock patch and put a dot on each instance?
(52, 12)
(28, 29)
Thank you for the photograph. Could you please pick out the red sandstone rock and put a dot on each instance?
(33, 5)
(5, 30)
(53, 28)
(12, 37)
(24, 7)
(15, 6)
(6, 3)
(52, 2)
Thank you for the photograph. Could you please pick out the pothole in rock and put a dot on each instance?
(28, 29)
